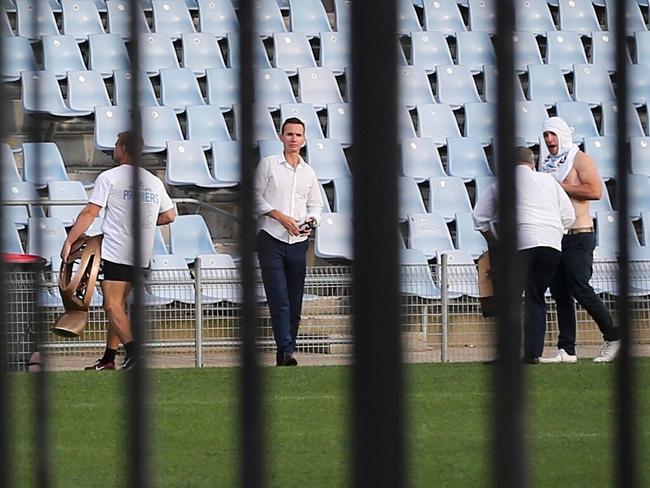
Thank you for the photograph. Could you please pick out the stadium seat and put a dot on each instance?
(31, 26)
(565, 49)
(40, 93)
(448, 196)
(640, 155)
(604, 204)
(437, 122)
(603, 51)
(429, 233)
(639, 84)
(107, 53)
(223, 88)
(420, 159)
(407, 18)
(462, 275)
(179, 88)
(609, 115)
(260, 56)
(638, 195)
(189, 237)
(263, 125)
(157, 52)
(272, 88)
(580, 119)
(5, 25)
(217, 17)
(308, 17)
(466, 158)
(187, 166)
(343, 15)
(343, 196)
(481, 183)
(318, 87)
(268, 18)
(86, 90)
(607, 230)
(490, 86)
(327, 158)
(642, 47)
(533, 16)
(429, 49)
(42, 162)
(18, 56)
(414, 87)
(633, 17)
(66, 190)
(592, 84)
(225, 161)
(474, 50)
(530, 120)
(339, 123)
(578, 16)
(306, 113)
(159, 246)
(123, 87)
(8, 170)
(119, 19)
(603, 151)
(326, 202)
(410, 198)
(20, 190)
(481, 121)
(109, 122)
(526, 50)
(205, 124)
(335, 51)
(80, 19)
(443, 16)
(415, 275)
(645, 227)
(482, 16)
(159, 125)
(201, 52)
(45, 237)
(334, 237)
(61, 54)
(172, 268)
(221, 280)
(10, 238)
(291, 50)
(456, 86)
(172, 17)
(467, 237)
(546, 84)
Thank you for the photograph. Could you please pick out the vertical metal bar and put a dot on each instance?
(626, 473)
(508, 399)
(378, 423)
(198, 311)
(252, 467)
(444, 303)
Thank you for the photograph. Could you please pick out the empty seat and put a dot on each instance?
(591, 84)
(639, 84)
(448, 196)
(45, 236)
(263, 125)
(633, 17)
(429, 49)
(223, 88)
(42, 162)
(80, 19)
(483, 15)
(410, 198)
(5, 26)
(66, 190)
(467, 237)
(156, 52)
(456, 86)
(8, 168)
(119, 19)
(339, 123)
(226, 157)
(187, 166)
(335, 51)
(603, 204)
(462, 275)
(580, 119)
(609, 116)
(221, 279)
(291, 50)
(343, 195)
(413, 86)
(217, 17)
(17, 57)
(437, 122)
(159, 246)
(109, 122)
(272, 88)
(640, 155)
(159, 125)
(466, 158)
(526, 50)
(407, 18)
(334, 237)
(107, 53)
(603, 51)
(260, 56)
(318, 87)
(420, 159)
(172, 17)
(308, 17)
(306, 113)
(481, 121)
(61, 54)
(172, 268)
(429, 233)
(189, 237)
(530, 120)
(405, 127)
(490, 86)
(123, 89)
(565, 49)
(578, 16)
(201, 51)
(415, 275)
(10, 239)
(642, 45)
(41, 93)
(534, 16)
(639, 195)
(443, 16)
(179, 88)
(18, 215)
(268, 18)
(343, 15)
(474, 50)
(29, 25)
(607, 230)
(205, 124)
(546, 84)
(327, 158)
(603, 151)
(86, 90)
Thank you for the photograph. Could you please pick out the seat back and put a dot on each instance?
(123, 86)
(526, 50)
(42, 162)
(334, 237)
(546, 84)
(268, 18)
(306, 113)
(205, 124)
(413, 86)
(223, 88)
(119, 19)
(456, 86)
(18, 56)
(201, 51)
(179, 88)
(466, 158)
(272, 88)
(9, 170)
(81, 19)
(565, 49)
(62, 54)
(225, 161)
(592, 84)
(86, 90)
(335, 51)
(308, 17)
(66, 190)
(107, 53)
(534, 16)
(31, 26)
(318, 87)
(640, 155)
(157, 52)
(448, 196)
(291, 50)
(172, 17)
(443, 16)
(190, 237)
(339, 123)
(420, 158)
(580, 119)
(109, 122)
(159, 125)
(578, 16)
(429, 233)
(475, 50)
(45, 236)
(327, 158)
(217, 17)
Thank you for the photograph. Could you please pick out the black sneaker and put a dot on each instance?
(101, 365)
(289, 360)
(129, 362)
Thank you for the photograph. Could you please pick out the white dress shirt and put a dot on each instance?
(292, 191)
(544, 211)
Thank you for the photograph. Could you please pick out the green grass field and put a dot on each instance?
(195, 442)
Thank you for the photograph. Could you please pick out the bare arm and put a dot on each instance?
(166, 217)
(588, 185)
(84, 220)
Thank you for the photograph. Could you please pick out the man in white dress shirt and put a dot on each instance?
(289, 203)
(544, 213)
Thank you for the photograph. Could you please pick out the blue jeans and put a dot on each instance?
(283, 272)
(571, 281)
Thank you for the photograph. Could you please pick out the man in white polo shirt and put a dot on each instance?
(289, 203)
(114, 193)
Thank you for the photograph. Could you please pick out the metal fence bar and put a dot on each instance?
(377, 372)
(444, 289)
(198, 313)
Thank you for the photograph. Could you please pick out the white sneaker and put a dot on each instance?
(561, 356)
(609, 352)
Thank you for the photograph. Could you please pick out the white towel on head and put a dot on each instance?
(561, 164)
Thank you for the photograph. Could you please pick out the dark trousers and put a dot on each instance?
(571, 281)
(540, 264)
(283, 272)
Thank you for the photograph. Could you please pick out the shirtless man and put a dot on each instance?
(578, 175)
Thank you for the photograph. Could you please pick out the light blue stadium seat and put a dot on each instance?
(410, 198)
(334, 237)
(443, 16)
(123, 88)
(405, 127)
(639, 84)
(308, 17)
(429, 49)
(633, 17)
(101, 5)
(109, 122)
(45, 236)
(157, 52)
(326, 202)
(217, 17)
(607, 230)
(407, 18)
(172, 17)
(482, 183)
(283, 4)
(413, 86)
(269, 147)
(343, 15)
(119, 19)
(80, 19)
(526, 50)
(467, 237)
(415, 275)
(609, 115)
(429, 233)
(343, 196)
(483, 16)
(179, 88)
(86, 90)
(17, 57)
(20, 190)
(171, 267)
(578, 16)
(639, 195)
(205, 124)
(10, 239)
(603, 151)
(642, 47)
(41, 93)
(32, 27)
(260, 56)
(159, 246)
(66, 190)
(448, 196)
(201, 52)
(592, 84)
(474, 50)
(565, 49)
(481, 121)
(466, 158)
(420, 159)
(306, 113)
(530, 120)
(604, 204)
(580, 119)
(107, 53)
(546, 84)
(339, 123)
(490, 86)
(603, 50)
(268, 18)
(462, 275)
(8, 169)
(189, 237)
(5, 26)
(437, 122)
(645, 227)
(61, 54)
(327, 158)
(291, 50)
(159, 125)
(221, 280)
(534, 16)
(263, 124)
(187, 166)
(456, 86)
(272, 88)
(335, 51)
(42, 162)
(318, 87)
(223, 88)
(225, 161)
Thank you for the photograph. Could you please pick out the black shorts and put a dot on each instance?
(116, 272)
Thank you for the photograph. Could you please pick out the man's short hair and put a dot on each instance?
(525, 155)
(292, 120)
(131, 141)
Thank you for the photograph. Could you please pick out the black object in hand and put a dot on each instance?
(307, 226)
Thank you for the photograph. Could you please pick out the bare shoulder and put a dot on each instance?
(584, 162)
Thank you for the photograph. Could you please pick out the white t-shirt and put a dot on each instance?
(113, 192)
